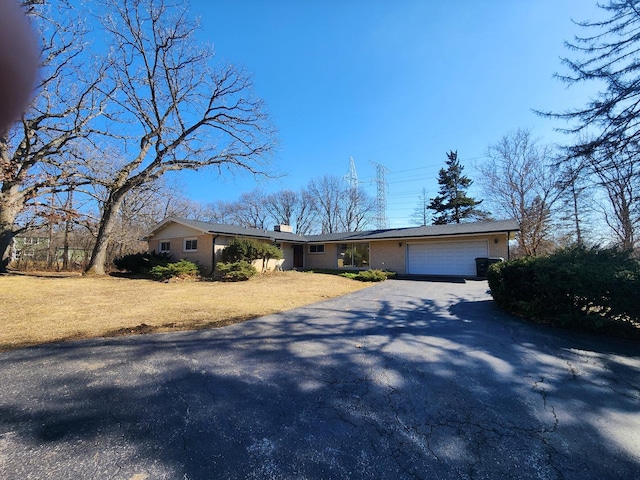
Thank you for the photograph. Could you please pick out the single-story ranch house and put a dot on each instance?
(428, 250)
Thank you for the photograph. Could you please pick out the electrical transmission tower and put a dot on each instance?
(381, 197)
(352, 176)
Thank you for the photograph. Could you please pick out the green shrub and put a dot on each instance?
(249, 250)
(241, 249)
(371, 276)
(366, 275)
(350, 275)
(235, 271)
(268, 251)
(589, 289)
(141, 262)
(181, 269)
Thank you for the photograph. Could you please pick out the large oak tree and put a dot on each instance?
(40, 153)
(172, 109)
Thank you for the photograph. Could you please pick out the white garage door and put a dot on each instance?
(445, 258)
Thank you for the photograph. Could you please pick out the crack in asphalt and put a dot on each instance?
(537, 387)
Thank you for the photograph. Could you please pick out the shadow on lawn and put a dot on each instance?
(376, 384)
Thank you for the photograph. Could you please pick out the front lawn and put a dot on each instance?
(47, 309)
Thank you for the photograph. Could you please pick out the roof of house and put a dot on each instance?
(453, 229)
(500, 226)
(231, 230)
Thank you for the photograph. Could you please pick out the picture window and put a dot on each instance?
(353, 255)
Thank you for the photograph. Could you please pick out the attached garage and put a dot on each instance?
(445, 258)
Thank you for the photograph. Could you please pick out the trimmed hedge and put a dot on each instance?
(588, 289)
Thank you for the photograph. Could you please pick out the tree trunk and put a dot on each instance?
(50, 245)
(109, 216)
(67, 231)
(11, 203)
(6, 235)
(576, 213)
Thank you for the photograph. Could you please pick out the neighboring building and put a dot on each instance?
(32, 246)
(37, 248)
(428, 250)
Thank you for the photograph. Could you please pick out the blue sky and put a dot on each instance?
(399, 83)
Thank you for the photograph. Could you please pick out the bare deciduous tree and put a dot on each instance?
(339, 207)
(250, 210)
(519, 180)
(292, 208)
(358, 210)
(172, 107)
(306, 218)
(421, 215)
(619, 178)
(217, 212)
(39, 154)
(327, 193)
(282, 206)
(576, 211)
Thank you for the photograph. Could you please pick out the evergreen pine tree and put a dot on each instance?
(452, 205)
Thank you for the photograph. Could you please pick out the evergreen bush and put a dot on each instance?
(249, 250)
(235, 271)
(371, 276)
(181, 269)
(141, 262)
(590, 289)
(241, 249)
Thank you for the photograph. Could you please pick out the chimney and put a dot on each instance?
(283, 228)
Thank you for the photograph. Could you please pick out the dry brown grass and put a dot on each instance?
(42, 309)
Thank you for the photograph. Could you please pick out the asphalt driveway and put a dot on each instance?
(401, 380)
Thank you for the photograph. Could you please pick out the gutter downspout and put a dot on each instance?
(213, 254)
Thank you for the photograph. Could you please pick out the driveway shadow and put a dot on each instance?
(401, 380)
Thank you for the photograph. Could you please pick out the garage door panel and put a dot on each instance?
(445, 258)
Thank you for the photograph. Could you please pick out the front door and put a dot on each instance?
(298, 256)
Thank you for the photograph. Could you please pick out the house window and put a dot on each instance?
(190, 245)
(316, 248)
(353, 255)
(165, 247)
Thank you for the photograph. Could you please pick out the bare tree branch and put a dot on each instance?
(178, 109)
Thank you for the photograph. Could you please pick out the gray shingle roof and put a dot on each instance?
(500, 226)
(418, 232)
(233, 230)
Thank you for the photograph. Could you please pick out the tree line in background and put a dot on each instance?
(86, 167)
(558, 198)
